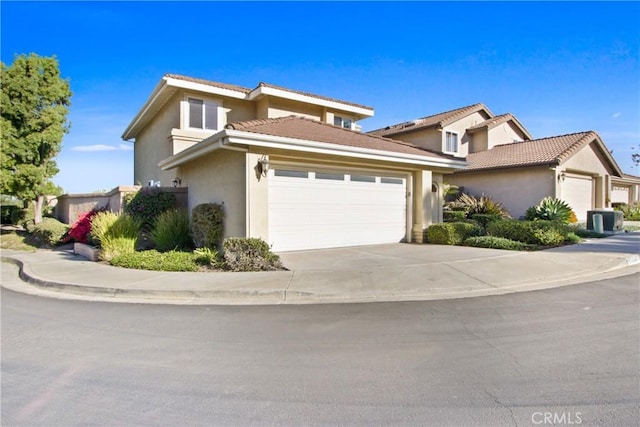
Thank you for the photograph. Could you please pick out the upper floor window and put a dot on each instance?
(342, 122)
(202, 114)
(451, 143)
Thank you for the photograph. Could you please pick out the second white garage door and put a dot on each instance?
(577, 191)
(312, 209)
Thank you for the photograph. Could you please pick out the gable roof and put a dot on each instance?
(305, 135)
(170, 84)
(437, 120)
(312, 130)
(498, 120)
(551, 151)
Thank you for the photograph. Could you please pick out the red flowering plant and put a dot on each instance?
(79, 231)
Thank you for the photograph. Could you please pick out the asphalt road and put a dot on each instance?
(567, 356)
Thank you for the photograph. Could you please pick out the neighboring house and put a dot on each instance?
(290, 167)
(504, 162)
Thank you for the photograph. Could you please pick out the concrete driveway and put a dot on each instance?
(386, 255)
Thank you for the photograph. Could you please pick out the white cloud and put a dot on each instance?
(616, 115)
(97, 147)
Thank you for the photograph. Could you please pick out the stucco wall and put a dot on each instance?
(588, 159)
(282, 108)
(460, 127)
(219, 177)
(153, 145)
(504, 133)
(516, 189)
(431, 139)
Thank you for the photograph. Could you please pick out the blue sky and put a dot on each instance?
(559, 67)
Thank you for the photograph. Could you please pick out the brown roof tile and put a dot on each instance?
(498, 120)
(436, 120)
(552, 151)
(307, 129)
(209, 83)
(314, 96)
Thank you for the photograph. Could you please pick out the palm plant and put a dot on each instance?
(479, 205)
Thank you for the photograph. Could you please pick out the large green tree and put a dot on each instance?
(35, 101)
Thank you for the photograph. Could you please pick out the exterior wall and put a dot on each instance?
(516, 189)
(460, 127)
(431, 139)
(257, 199)
(219, 177)
(70, 206)
(479, 141)
(153, 145)
(505, 133)
(589, 162)
(283, 108)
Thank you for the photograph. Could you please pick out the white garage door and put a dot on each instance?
(577, 191)
(313, 209)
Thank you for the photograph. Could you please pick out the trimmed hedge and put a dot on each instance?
(546, 233)
(147, 204)
(453, 216)
(249, 254)
(485, 219)
(208, 225)
(492, 242)
(49, 232)
(158, 261)
(8, 212)
(452, 233)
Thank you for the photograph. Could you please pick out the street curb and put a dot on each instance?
(286, 296)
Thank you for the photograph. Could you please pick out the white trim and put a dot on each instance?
(270, 91)
(268, 141)
(223, 138)
(444, 145)
(217, 103)
(200, 87)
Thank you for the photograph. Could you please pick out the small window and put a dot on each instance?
(291, 174)
(363, 178)
(391, 180)
(451, 145)
(331, 176)
(203, 115)
(342, 122)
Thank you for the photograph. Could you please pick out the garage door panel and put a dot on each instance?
(318, 213)
(577, 191)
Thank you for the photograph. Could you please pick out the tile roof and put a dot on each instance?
(437, 120)
(545, 151)
(312, 130)
(498, 120)
(209, 83)
(263, 84)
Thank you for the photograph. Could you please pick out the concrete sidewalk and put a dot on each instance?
(395, 272)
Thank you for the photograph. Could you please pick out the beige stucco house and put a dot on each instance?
(504, 162)
(290, 167)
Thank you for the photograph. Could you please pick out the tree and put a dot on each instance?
(34, 101)
(635, 157)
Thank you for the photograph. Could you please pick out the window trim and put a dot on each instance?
(343, 121)
(446, 142)
(206, 102)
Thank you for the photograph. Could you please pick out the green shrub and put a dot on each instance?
(493, 242)
(551, 209)
(531, 232)
(171, 231)
(453, 216)
(208, 225)
(116, 234)
(249, 254)
(549, 237)
(588, 234)
(49, 232)
(147, 204)
(485, 219)
(158, 261)
(572, 238)
(630, 212)
(7, 213)
(479, 205)
(451, 233)
(207, 257)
